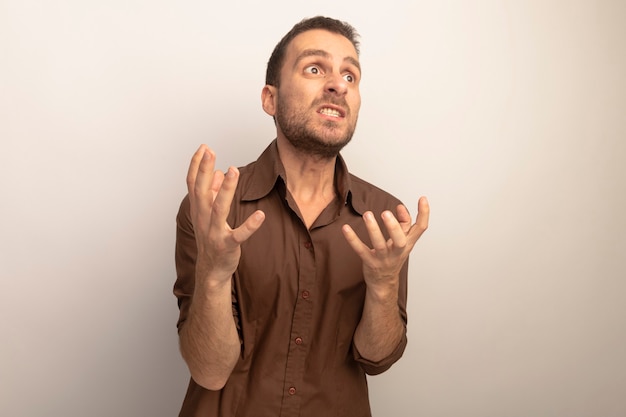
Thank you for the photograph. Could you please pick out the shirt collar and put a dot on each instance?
(268, 170)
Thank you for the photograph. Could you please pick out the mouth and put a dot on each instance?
(332, 111)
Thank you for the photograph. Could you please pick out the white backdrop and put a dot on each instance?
(508, 115)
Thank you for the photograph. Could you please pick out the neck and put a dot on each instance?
(310, 178)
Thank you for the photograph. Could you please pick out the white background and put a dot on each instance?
(508, 115)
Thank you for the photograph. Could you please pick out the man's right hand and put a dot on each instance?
(211, 194)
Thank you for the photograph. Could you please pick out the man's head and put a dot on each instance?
(312, 88)
(275, 63)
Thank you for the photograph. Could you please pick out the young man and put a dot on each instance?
(289, 290)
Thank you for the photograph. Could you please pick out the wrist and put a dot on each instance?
(212, 281)
(383, 292)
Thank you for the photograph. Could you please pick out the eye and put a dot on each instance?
(349, 78)
(312, 69)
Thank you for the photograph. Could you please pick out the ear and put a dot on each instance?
(268, 99)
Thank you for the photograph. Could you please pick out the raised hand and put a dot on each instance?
(382, 263)
(211, 194)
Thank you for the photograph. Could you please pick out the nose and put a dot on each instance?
(336, 84)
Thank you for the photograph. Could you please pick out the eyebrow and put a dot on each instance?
(320, 52)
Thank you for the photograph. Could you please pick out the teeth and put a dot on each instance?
(330, 112)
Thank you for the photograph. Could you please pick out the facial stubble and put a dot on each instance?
(320, 142)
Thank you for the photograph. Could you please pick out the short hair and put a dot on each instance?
(275, 63)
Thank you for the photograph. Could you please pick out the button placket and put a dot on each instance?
(301, 326)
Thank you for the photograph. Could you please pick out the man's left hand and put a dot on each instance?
(382, 263)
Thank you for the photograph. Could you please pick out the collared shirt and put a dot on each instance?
(298, 296)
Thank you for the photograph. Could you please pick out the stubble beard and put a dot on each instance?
(321, 142)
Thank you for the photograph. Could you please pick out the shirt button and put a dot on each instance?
(298, 340)
(292, 391)
(308, 245)
(305, 294)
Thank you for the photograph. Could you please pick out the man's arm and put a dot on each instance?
(381, 328)
(209, 341)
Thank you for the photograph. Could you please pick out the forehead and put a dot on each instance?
(336, 45)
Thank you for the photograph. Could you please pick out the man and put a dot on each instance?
(289, 290)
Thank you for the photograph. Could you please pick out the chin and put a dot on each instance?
(320, 147)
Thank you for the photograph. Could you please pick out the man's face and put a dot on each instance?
(318, 101)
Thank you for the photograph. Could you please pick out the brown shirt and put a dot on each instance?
(297, 299)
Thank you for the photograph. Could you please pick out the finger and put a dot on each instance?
(395, 229)
(194, 165)
(224, 197)
(218, 179)
(404, 217)
(355, 242)
(205, 172)
(373, 230)
(201, 194)
(421, 223)
(251, 225)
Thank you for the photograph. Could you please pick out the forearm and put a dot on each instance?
(209, 341)
(381, 328)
